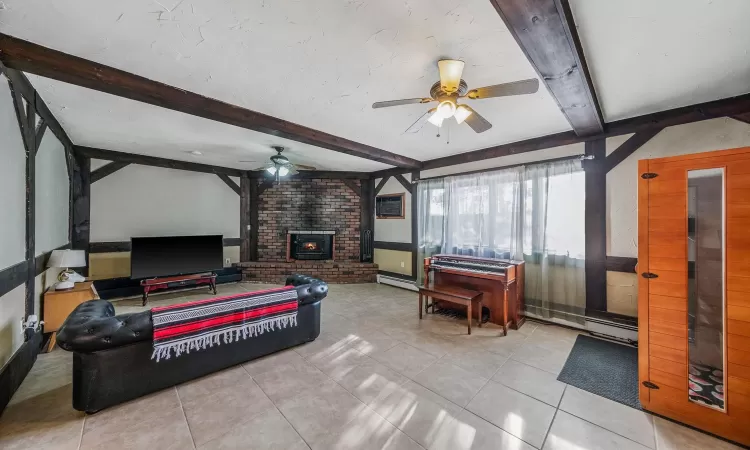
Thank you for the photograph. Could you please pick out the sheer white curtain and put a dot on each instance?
(554, 242)
(533, 213)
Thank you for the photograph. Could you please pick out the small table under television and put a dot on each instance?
(155, 284)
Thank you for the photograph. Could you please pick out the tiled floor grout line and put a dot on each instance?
(83, 426)
(184, 415)
(276, 407)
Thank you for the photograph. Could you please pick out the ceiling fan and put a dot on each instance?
(280, 166)
(450, 89)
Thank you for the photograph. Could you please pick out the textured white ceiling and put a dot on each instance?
(647, 56)
(115, 123)
(318, 63)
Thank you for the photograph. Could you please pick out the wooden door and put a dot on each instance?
(663, 293)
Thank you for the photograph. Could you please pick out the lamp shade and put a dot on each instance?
(67, 258)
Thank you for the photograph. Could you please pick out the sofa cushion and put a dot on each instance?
(93, 326)
(309, 289)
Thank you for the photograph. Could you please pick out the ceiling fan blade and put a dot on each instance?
(416, 126)
(304, 167)
(450, 74)
(506, 89)
(406, 101)
(477, 123)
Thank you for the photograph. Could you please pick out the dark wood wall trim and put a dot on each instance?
(353, 186)
(414, 224)
(253, 220)
(39, 60)
(13, 276)
(399, 246)
(743, 117)
(80, 186)
(19, 365)
(23, 85)
(229, 182)
(380, 185)
(107, 169)
(628, 147)
(595, 227)
(546, 33)
(621, 264)
(144, 160)
(367, 220)
(408, 186)
(124, 246)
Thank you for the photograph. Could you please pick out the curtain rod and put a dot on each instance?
(472, 172)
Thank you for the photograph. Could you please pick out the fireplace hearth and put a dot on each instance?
(310, 245)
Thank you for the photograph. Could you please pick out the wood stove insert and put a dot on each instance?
(310, 245)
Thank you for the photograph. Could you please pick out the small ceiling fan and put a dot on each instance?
(450, 89)
(280, 166)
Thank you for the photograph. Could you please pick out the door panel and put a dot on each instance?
(678, 308)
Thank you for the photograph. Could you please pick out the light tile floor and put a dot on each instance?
(376, 378)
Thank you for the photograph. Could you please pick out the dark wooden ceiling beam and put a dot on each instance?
(627, 148)
(107, 170)
(130, 158)
(29, 57)
(310, 174)
(546, 33)
(734, 107)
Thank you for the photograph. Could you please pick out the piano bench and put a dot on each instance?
(465, 297)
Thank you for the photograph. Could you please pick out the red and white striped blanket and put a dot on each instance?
(205, 323)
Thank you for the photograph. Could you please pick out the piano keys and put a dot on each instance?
(501, 281)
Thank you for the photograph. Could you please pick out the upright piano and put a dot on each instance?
(500, 280)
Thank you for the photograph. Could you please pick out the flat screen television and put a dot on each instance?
(175, 255)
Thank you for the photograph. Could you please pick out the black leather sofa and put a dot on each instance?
(112, 353)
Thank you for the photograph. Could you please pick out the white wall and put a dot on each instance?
(12, 221)
(52, 191)
(622, 181)
(395, 230)
(151, 201)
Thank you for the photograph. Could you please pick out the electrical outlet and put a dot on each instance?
(228, 262)
(402, 264)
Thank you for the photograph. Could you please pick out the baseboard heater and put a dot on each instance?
(398, 282)
(622, 331)
(610, 329)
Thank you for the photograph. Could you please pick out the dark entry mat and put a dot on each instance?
(603, 368)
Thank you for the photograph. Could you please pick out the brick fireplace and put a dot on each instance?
(293, 209)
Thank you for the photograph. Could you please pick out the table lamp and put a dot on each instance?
(67, 259)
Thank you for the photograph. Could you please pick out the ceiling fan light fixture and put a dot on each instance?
(271, 170)
(436, 119)
(462, 113)
(446, 109)
(283, 171)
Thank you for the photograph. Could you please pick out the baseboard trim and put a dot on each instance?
(398, 282)
(400, 276)
(15, 371)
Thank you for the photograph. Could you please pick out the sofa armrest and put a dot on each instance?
(309, 289)
(93, 326)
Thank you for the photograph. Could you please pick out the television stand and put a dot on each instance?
(159, 283)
